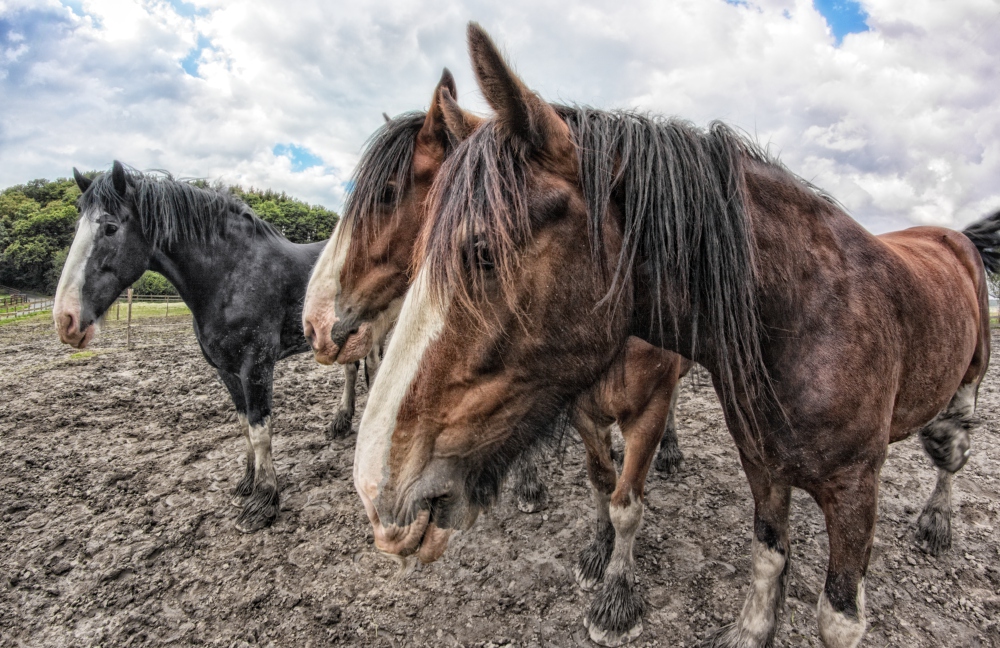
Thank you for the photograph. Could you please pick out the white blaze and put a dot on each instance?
(69, 292)
(324, 284)
(420, 322)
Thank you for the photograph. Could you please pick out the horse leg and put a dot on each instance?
(372, 362)
(261, 507)
(850, 506)
(235, 388)
(670, 457)
(530, 491)
(615, 615)
(342, 420)
(594, 558)
(770, 553)
(946, 441)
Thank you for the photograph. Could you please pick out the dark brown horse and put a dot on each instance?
(363, 277)
(556, 236)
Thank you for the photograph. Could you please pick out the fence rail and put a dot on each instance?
(23, 308)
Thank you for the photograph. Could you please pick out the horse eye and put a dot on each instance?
(110, 229)
(388, 195)
(484, 260)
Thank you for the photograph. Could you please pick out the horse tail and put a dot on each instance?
(985, 235)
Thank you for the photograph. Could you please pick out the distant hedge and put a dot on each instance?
(38, 220)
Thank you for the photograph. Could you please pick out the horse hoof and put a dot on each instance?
(725, 637)
(340, 428)
(933, 532)
(535, 505)
(256, 522)
(610, 638)
(669, 463)
(586, 583)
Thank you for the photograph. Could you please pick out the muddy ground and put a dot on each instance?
(116, 527)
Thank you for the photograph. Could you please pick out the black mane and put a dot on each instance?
(387, 157)
(173, 211)
(682, 193)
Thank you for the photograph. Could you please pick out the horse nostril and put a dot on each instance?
(70, 321)
(310, 333)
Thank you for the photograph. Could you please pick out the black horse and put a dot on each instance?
(243, 281)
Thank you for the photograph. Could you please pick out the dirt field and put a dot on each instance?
(116, 528)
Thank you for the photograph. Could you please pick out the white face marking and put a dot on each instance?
(69, 291)
(324, 283)
(420, 322)
(836, 629)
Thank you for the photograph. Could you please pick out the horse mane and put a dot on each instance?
(174, 211)
(387, 157)
(682, 193)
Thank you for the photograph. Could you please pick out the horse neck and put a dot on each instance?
(198, 267)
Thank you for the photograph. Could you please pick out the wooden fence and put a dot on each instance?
(22, 306)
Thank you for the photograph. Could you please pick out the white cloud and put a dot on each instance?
(901, 123)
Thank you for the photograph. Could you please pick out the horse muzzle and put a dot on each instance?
(68, 327)
(334, 340)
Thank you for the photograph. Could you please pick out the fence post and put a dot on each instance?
(118, 308)
(168, 306)
(128, 325)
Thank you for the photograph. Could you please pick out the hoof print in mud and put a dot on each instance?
(340, 427)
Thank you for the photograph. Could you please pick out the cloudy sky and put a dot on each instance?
(891, 105)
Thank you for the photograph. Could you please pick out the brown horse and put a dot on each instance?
(556, 236)
(365, 276)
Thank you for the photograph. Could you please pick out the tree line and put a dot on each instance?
(38, 221)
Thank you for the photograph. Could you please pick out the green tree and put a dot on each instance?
(38, 220)
(153, 283)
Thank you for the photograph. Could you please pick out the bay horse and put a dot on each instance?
(243, 281)
(362, 277)
(554, 237)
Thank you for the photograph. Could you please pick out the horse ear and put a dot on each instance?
(460, 123)
(435, 130)
(520, 112)
(82, 181)
(386, 117)
(119, 178)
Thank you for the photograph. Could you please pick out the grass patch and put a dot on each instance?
(34, 317)
(83, 355)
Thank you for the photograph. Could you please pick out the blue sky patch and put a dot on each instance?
(187, 9)
(301, 157)
(190, 62)
(75, 5)
(844, 17)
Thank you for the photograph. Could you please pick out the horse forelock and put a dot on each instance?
(387, 158)
(682, 192)
(171, 211)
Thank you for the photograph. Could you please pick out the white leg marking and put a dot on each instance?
(350, 385)
(260, 441)
(420, 322)
(69, 291)
(837, 630)
(760, 611)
